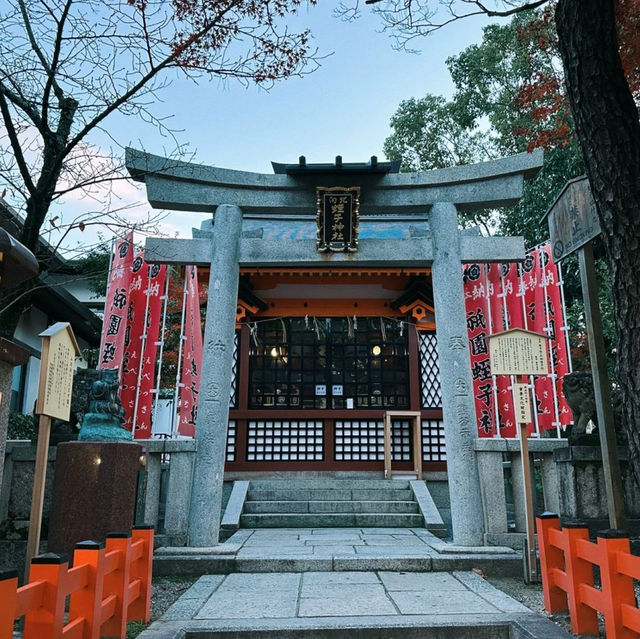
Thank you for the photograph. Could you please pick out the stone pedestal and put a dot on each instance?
(582, 489)
(94, 492)
(11, 355)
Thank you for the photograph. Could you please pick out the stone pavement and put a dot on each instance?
(330, 583)
(335, 549)
(349, 604)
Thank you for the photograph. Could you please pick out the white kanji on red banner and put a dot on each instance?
(116, 305)
(191, 356)
(505, 296)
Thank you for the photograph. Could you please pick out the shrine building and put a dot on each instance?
(334, 299)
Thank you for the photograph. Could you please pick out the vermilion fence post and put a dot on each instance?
(140, 609)
(617, 589)
(117, 582)
(87, 601)
(584, 619)
(47, 621)
(8, 598)
(555, 598)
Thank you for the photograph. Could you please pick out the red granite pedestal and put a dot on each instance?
(94, 492)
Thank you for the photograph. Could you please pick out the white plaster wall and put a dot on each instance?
(79, 288)
(162, 423)
(31, 384)
(31, 324)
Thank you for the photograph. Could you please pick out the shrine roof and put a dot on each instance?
(337, 168)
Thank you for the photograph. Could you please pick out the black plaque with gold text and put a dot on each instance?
(338, 216)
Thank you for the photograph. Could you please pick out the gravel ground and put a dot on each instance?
(164, 592)
(530, 596)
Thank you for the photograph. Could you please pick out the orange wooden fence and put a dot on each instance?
(567, 560)
(108, 585)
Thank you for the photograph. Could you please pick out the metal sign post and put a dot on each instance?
(573, 224)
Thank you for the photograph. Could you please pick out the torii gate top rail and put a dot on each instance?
(185, 186)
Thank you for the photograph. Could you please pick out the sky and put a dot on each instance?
(343, 108)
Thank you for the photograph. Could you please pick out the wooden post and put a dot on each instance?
(531, 562)
(37, 499)
(417, 445)
(59, 350)
(601, 390)
(416, 426)
(387, 445)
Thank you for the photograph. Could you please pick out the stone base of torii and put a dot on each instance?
(438, 194)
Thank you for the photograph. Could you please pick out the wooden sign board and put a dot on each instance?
(518, 352)
(338, 218)
(59, 351)
(522, 403)
(573, 219)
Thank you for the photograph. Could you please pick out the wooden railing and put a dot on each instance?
(567, 561)
(109, 585)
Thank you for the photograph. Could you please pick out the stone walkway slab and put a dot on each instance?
(354, 604)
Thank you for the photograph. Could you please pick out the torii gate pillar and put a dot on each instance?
(458, 409)
(217, 361)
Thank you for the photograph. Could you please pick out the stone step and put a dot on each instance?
(331, 520)
(323, 483)
(290, 507)
(491, 565)
(305, 494)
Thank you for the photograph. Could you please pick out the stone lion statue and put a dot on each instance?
(104, 421)
(577, 389)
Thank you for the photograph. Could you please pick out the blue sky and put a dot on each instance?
(343, 108)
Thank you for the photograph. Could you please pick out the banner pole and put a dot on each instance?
(494, 378)
(161, 344)
(143, 344)
(176, 406)
(565, 328)
(532, 384)
(554, 376)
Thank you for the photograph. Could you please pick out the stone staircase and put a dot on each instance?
(331, 503)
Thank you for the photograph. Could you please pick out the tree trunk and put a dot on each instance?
(606, 121)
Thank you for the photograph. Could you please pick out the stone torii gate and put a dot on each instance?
(434, 194)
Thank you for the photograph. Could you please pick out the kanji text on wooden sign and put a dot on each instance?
(338, 218)
(522, 403)
(59, 351)
(573, 219)
(518, 352)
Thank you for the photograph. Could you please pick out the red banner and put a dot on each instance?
(556, 328)
(155, 291)
(478, 320)
(499, 289)
(133, 337)
(116, 305)
(505, 296)
(191, 357)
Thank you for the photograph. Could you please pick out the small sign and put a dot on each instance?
(321, 390)
(338, 218)
(573, 219)
(518, 352)
(349, 402)
(523, 403)
(336, 390)
(59, 351)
